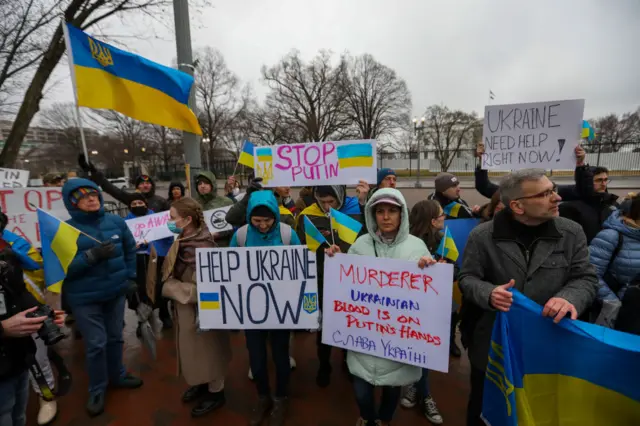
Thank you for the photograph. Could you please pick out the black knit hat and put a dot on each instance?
(263, 211)
(136, 196)
(144, 178)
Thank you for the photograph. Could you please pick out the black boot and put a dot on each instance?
(211, 401)
(195, 392)
(165, 316)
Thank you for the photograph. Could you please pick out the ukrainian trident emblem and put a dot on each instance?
(100, 53)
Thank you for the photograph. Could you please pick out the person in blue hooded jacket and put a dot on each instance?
(97, 280)
(264, 229)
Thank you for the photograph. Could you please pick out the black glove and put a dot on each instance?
(255, 185)
(87, 167)
(101, 252)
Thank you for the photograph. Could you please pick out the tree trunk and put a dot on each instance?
(31, 102)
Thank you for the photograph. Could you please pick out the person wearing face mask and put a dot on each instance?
(176, 191)
(203, 355)
(148, 256)
(232, 188)
(265, 229)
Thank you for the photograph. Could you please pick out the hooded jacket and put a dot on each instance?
(237, 215)
(155, 202)
(108, 278)
(211, 200)
(626, 266)
(255, 238)
(374, 370)
(175, 185)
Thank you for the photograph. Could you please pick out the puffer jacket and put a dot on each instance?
(374, 370)
(211, 200)
(626, 265)
(255, 238)
(109, 278)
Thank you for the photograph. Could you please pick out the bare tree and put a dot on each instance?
(378, 101)
(166, 145)
(612, 131)
(268, 126)
(306, 96)
(130, 134)
(447, 131)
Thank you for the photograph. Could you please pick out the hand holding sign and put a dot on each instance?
(580, 156)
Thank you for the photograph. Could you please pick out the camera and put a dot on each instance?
(49, 332)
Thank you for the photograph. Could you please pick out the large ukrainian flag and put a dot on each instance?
(59, 247)
(109, 78)
(567, 374)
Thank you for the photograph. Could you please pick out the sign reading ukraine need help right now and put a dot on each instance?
(257, 288)
(317, 163)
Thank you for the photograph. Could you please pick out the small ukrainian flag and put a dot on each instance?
(346, 227)
(59, 248)
(447, 248)
(209, 301)
(587, 131)
(246, 156)
(355, 155)
(264, 154)
(452, 209)
(313, 237)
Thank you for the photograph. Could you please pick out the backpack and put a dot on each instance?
(285, 234)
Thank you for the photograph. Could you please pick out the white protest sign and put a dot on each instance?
(150, 227)
(317, 163)
(216, 220)
(21, 204)
(388, 308)
(14, 178)
(257, 288)
(540, 135)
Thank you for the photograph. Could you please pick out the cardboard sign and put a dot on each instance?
(20, 206)
(150, 228)
(388, 308)
(317, 163)
(536, 135)
(14, 178)
(257, 288)
(216, 220)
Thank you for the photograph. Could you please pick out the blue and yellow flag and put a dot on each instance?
(359, 154)
(59, 247)
(313, 237)
(452, 209)
(109, 78)
(246, 156)
(447, 248)
(264, 154)
(347, 227)
(566, 374)
(587, 131)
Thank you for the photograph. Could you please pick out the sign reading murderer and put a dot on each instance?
(21, 204)
(150, 227)
(309, 164)
(388, 308)
(536, 135)
(13, 178)
(257, 288)
(216, 220)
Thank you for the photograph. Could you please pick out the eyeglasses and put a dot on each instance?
(544, 194)
(602, 180)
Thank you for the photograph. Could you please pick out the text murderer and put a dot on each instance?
(380, 278)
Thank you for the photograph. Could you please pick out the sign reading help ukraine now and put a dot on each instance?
(257, 288)
(317, 163)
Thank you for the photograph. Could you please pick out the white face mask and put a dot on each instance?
(235, 191)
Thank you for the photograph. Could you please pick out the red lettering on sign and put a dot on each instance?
(380, 278)
(3, 198)
(339, 306)
(53, 195)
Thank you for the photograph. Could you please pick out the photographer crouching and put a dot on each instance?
(20, 316)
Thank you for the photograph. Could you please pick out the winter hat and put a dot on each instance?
(383, 173)
(136, 196)
(80, 193)
(445, 181)
(263, 211)
(325, 191)
(144, 178)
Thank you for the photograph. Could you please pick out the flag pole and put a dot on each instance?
(333, 240)
(84, 142)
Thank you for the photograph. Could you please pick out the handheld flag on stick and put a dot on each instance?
(313, 237)
(346, 227)
(587, 131)
(570, 373)
(109, 78)
(447, 248)
(246, 156)
(59, 247)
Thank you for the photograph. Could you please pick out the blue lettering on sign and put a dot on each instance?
(310, 304)
(402, 354)
(359, 342)
(237, 304)
(388, 302)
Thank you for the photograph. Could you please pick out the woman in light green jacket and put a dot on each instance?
(387, 220)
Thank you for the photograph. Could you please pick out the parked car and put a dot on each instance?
(120, 183)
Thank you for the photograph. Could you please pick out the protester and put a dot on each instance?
(207, 196)
(447, 193)
(488, 210)
(386, 179)
(144, 184)
(326, 198)
(97, 281)
(149, 255)
(305, 199)
(529, 248)
(17, 346)
(237, 214)
(615, 252)
(265, 229)
(53, 180)
(203, 355)
(176, 191)
(387, 219)
(232, 189)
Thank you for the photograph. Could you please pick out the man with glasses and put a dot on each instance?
(527, 247)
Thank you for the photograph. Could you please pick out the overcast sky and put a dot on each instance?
(450, 52)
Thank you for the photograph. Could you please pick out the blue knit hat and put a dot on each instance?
(383, 173)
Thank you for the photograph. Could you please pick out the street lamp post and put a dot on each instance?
(205, 141)
(418, 132)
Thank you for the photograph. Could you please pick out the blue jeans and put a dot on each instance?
(365, 398)
(101, 326)
(257, 346)
(14, 394)
(423, 384)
